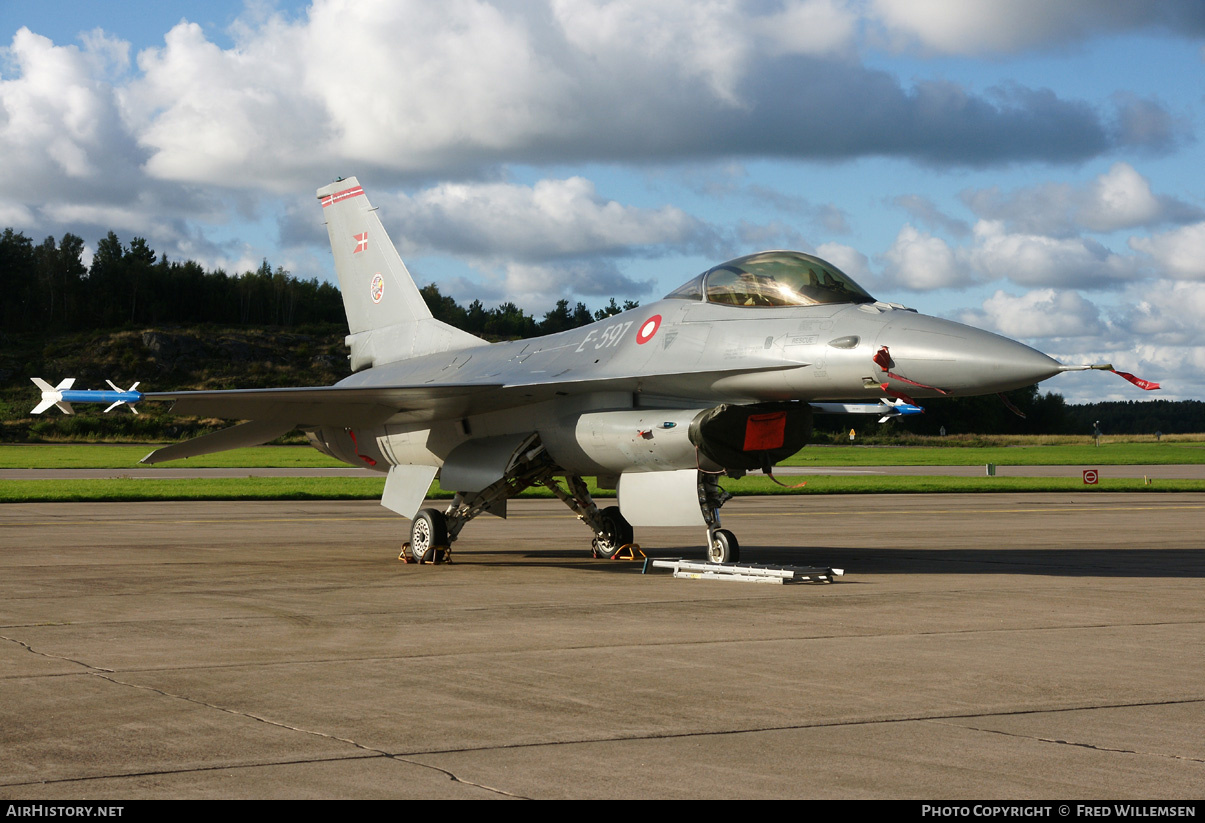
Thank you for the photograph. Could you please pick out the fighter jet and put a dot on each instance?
(721, 377)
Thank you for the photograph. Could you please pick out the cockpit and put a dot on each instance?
(771, 279)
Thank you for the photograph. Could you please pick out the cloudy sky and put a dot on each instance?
(1031, 167)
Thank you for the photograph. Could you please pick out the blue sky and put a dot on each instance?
(1033, 168)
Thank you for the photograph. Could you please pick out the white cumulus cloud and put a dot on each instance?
(1121, 198)
(550, 219)
(1042, 313)
(922, 262)
(851, 261)
(61, 127)
(1181, 252)
(1038, 260)
(1166, 312)
(451, 90)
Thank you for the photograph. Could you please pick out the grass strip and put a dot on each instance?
(921, 484)
(104, 456)
(370, 488)
(1107, 454)
(93, 456)
(118, 489)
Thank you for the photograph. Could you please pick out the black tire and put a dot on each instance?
(724, 548)
(428, 532)
(616, 532)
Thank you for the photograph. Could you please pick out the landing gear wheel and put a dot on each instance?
(616, 532)
(428, 533)
(724, 548)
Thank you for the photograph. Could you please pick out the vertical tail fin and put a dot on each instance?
(386, 316)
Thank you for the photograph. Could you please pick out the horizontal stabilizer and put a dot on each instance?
(255, 433)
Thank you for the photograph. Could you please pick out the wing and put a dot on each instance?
(347, 406)
(273, 412)
(367, 405)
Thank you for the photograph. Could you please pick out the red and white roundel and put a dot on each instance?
(648, 329)
(377, 289)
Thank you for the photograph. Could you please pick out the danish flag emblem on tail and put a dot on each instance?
(361, 243)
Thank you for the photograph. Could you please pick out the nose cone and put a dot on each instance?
(960, 359)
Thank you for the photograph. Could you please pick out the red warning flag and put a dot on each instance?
(899, 395)
(882, 359)
(1010, 405)
(1137, 381)
(356, 447)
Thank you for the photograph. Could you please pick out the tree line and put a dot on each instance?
(1140, 416)
(508, 321)
(47, 288)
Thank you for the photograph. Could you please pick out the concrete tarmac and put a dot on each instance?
(980, 646)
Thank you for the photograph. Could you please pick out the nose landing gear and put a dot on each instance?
(722, 547)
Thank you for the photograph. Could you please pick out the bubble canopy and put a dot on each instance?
(772, 279)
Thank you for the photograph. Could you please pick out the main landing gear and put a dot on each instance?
(432, 532)
(428, 538)
(615, 533)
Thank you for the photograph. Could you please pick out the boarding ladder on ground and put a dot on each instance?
(744, 572)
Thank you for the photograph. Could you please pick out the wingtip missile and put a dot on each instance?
(62, 396)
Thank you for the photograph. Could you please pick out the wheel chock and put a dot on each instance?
(438, 554)
(631, 549)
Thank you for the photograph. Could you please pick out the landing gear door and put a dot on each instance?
(666, 498)
(476, 464)
(406, 488)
